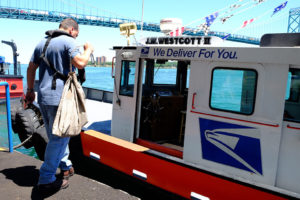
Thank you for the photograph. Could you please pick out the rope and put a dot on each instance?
(19, 145)
(220, 11)
(22, 143)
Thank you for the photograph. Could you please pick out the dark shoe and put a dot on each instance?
(54, 186)
(65, 174)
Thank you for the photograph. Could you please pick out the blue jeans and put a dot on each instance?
(57, 150)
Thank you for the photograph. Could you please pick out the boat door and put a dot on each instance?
(233, 123)
(125, 94)
(289, 156)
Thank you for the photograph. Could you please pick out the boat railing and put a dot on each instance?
(90, 93)
(9, 127)
(98, 95)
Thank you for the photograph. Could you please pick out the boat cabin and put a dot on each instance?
(230, 112)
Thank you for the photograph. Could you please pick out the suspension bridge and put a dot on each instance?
(15, 10)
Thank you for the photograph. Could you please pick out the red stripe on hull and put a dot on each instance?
(291, 127)
(160, 148)
(240, 120)
(169, 176)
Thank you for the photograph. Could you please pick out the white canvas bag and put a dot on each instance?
(71, 114)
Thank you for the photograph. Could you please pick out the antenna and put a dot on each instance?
(142, 22)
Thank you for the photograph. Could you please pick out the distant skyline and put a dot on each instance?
(27, 34)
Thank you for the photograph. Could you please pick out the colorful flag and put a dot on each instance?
(211, 18)
(279, 8)
(247, 22)
(177, 32)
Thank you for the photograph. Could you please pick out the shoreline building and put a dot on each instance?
(101, 60)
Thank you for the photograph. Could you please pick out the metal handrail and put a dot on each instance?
(10, 144)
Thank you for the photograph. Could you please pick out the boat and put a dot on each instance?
(225, 127)
(12, 77)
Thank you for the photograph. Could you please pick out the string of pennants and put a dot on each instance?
(226, 15)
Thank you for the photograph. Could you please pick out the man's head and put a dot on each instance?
(70, 26)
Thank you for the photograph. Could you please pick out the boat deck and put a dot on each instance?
(99, 116)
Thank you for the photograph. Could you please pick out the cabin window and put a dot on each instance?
(292, 102)
(165, 72)
(233, 90)
(127, 78)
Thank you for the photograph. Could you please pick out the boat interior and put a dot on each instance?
(163, 106)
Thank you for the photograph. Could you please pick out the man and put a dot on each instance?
(60, 51)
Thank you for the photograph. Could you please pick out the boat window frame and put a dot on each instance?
(234, 68)
(121, 78)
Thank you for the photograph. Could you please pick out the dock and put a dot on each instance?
(19, 176)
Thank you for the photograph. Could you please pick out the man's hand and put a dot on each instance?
(81, 60)
(30, 96)
(88, 47)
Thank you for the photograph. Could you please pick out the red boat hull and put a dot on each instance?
(168, 175)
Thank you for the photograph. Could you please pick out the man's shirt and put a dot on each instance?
(58, 53)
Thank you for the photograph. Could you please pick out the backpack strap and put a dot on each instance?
(57, 74)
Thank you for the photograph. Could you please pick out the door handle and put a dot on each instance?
(193, 100)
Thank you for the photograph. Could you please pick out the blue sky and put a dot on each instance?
(27, 34)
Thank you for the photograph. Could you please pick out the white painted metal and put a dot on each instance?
(170, 24)
(267, 110)
(195, 195)
(94, 155)
(279, 146)
(267, 55)
(288, 175)
(123, 116)
(139, 174)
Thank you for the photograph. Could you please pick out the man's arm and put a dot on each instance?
(31, 70)
(81, 60)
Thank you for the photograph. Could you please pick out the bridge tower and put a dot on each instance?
(294, 21)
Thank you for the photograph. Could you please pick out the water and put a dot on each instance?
(4, 134)
(99, 78)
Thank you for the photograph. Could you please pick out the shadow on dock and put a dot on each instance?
(92, 180)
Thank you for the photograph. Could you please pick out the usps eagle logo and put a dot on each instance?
(144, 51)
(231, 144)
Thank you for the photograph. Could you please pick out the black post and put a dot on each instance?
(14, 49)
